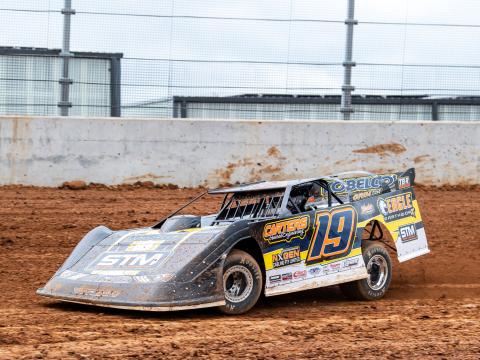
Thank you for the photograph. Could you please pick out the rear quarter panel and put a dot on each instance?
(400, 214)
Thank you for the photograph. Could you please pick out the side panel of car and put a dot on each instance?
(323, 247)
(314, 249)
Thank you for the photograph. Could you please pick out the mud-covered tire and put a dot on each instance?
(242, 282)
(379, 266)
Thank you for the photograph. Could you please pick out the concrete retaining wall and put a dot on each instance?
(48, 151)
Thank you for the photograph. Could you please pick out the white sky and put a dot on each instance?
(200, 39)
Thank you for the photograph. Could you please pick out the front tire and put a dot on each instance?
(242, 282)
(379, 268)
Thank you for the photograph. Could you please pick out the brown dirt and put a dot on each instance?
(431, 311)
(382, 149)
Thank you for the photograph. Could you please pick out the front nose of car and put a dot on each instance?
(135, 292)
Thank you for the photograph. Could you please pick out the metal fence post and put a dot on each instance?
(115, 87)
(346, 105)
(64, 104)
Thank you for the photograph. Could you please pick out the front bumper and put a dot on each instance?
(130, 293)
(140, 306)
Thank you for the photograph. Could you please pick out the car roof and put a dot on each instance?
(261, 186)
(277, 185)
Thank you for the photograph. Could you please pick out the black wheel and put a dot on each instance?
(379, 268)
(242, 282)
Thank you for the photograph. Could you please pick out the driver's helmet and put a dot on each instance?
(316, 196)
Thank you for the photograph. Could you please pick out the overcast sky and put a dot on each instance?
(265, 41)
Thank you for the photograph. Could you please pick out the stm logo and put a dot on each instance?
(112, 261)
(407, 233)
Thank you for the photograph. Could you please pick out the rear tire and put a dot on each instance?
(242, 282)
(379, 267)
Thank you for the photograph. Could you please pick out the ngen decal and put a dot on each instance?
(286, 257)
(286, 230)
(333, 236)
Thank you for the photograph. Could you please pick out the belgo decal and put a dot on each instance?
(286, 257)
(362, 183)
(397, 207)
(286, 230)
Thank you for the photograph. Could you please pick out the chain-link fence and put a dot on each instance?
(283, 59)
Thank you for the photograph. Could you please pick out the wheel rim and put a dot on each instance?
(237, 283)
(377, 269)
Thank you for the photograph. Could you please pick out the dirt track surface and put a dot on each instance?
(431, 311)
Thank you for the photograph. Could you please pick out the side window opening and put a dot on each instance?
(317, 198)
(311, 196)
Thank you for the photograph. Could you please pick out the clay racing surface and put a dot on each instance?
(431, 311)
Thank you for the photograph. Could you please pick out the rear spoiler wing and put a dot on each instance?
(358, 185)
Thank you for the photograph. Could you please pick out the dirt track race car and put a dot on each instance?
(273, 237)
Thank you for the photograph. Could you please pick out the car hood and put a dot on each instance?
(145, 252)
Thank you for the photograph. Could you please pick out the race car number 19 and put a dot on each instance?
(333, 234)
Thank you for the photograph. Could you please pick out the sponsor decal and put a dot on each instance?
(367, 209)
(350, 262)
(300, 274)
(142, 279)
(286, 230)
(315, 271)
(365, 194)
(127, 260)
(144, 245)
(286, 257)
(333, 267)
(287, 276)
(403, 182)
(275, 278)
(67, 274)
(362, 183)
(407, 233)
(396, 207)
(95, 291)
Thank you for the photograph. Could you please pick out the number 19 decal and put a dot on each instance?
(333, 236)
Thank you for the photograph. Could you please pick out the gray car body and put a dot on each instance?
(150, 269)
